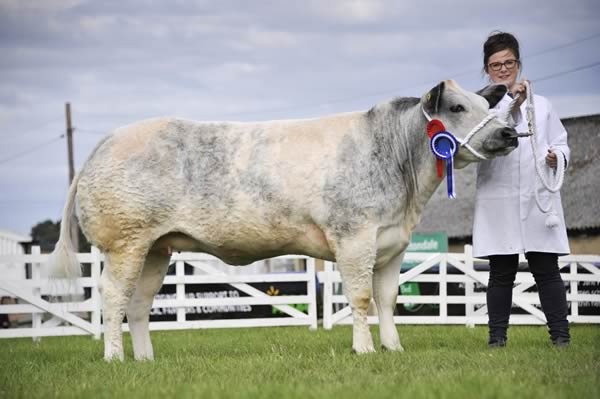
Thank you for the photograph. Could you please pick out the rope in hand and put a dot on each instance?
(552, 180)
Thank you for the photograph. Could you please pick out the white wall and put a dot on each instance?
(10, 244)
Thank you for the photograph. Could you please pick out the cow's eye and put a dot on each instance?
(457, 108)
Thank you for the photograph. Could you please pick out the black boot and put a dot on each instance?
(497, 342)
(561, 342)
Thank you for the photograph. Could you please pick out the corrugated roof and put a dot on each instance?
(580, 192)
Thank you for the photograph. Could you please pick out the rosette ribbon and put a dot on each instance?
(444, 145)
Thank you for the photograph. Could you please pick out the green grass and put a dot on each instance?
(439, 362)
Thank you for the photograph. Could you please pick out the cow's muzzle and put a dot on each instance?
(502, 139)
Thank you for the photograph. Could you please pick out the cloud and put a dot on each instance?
(350, 11)
(121, 61)
(17, 7)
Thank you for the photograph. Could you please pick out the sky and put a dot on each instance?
(117, 62)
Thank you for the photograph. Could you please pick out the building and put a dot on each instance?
(12, 244)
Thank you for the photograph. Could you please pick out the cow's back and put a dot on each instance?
(235, 183)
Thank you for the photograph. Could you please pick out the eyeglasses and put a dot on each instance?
(509, 64)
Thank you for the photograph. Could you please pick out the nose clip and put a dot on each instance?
(527, 134)
(513, 134)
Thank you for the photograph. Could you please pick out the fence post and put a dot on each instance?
(443, 287)
(311, 290)
(327, 296)
(180, 289)
(469, 286)
(574, 291)
(95, 294)
(36, 318)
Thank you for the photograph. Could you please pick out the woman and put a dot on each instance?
(507, 218)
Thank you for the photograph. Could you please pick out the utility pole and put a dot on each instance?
(74, 226)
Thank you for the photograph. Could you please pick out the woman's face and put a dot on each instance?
(503, 67)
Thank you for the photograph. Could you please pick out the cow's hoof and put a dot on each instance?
(361, 351)
(114, 359)
(397, 348)
(144, 358)
(114, 356)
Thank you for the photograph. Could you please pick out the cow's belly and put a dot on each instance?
(243, 249)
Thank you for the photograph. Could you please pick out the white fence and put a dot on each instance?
(85, 316)
(35, 289)
(11, 243)
(434, 267)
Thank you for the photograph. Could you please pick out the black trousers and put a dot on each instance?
(551, 289)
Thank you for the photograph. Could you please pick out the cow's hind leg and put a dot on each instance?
(385, 292)
(138, 310)
(355, 259)
(117, 285)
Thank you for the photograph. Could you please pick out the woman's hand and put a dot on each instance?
(551, 159)
(520, 90)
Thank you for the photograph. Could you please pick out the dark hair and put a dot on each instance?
(499, 41)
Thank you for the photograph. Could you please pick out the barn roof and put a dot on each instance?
(580, 192)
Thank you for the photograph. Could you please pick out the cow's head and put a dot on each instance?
(461, 111)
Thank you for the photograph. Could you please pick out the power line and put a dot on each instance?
(89, 131)
(10, 135)
(380, 93)
(377, 94)
(537, 80)
(306, 106)
(563, 45)
(32, 149)
(38, 146)
(387, 92)
(577, 69)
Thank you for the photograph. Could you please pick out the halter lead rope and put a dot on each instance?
(465, 142)
(444, 146)
(557, 176)
(552, 181)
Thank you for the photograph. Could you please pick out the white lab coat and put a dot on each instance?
(507, 219)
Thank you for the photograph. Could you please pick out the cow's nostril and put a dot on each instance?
(508, 133)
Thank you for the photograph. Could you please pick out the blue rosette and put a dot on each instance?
(444, 145)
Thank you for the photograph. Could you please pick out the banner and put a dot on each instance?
(225, 291)
(432, 242)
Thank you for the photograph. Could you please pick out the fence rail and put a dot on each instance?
(434, 268)
(82, 316)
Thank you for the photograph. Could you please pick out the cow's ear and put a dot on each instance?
(493, 94)
(432, 101)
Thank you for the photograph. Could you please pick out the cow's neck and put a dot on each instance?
(426, 169)
(405, 160)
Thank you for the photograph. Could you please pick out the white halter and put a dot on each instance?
(551, 180)
(465, 142)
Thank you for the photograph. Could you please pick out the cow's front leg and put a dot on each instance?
(355, 260)
(385, 287)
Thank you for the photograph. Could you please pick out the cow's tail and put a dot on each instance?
(63, 262)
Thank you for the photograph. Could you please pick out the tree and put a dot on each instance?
(46, 233)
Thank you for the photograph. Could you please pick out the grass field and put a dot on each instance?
(292, 362)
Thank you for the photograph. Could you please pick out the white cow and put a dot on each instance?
(347, 188)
